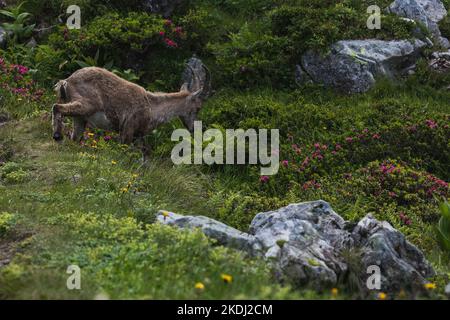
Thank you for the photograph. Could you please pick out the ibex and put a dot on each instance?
(98, 98)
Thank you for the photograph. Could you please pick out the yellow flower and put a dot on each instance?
(199, 286)
(124, 190)
(165, 214)
(135, 176)
(430, 286)
(334, 292)
(382, 296)
(90, 134)
(226, 278)
(113, 162)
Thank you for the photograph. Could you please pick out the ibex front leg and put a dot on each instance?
(76, 109)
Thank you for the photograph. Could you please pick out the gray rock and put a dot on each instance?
(402, 264)
(224, 234)
(198, 67)
(304, 240)
(427, 12)
(352, 66)
(3, 37)
(32, 43)
(163, 7)
(301, 77)
(308, 244)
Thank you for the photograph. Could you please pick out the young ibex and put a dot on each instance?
(98, 98)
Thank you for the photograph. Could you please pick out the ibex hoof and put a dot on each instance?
(57, 136)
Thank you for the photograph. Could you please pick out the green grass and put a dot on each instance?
(73, 206)
(94, 207)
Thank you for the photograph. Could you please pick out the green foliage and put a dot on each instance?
(12, 172)
(7, 222)
(90, 8)
(19, 27)
(252, 58)
(116, 38)
(444, 226)
(239, 209)
(317, 25)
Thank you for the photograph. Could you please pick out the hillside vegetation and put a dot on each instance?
(93, 204)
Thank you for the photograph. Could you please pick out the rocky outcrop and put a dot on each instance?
(310, 244)
(352, 66)
(426, 12)
(224, 234)
(163, 7)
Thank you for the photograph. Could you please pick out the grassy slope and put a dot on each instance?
(92, 223)
(70, 207)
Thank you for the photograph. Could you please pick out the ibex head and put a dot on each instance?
(199, 91)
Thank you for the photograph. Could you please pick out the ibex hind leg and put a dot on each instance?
(79, 126)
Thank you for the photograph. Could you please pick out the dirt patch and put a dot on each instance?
(9, 247)
(6, 152)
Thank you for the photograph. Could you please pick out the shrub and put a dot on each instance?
(7, 222)
(12, 172)
(316, 25)
(51, 9)
(123, 40)
(20, 27)
(252, 58)
(16, 79)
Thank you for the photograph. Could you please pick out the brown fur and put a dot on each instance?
(129, 109)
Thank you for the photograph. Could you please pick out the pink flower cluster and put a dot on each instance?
(388, 169)
(170, 32)
(405, 219)
(16, 79)
(431, 124)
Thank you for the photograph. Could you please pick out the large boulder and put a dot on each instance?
(310, 244)
(352, 66)
(427, 12)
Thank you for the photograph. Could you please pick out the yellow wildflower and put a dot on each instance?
(113, 162)
(199, 286)
(334, 292)
(382, 296)
(90, 134)
(226, 278)
(430, 286)
(165, 214)
(124, 190)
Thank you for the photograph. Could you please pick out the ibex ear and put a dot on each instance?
(185, 87)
